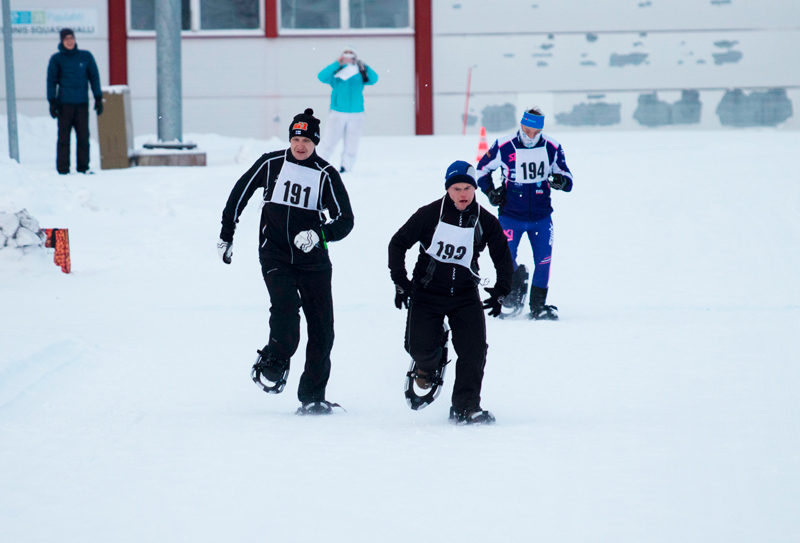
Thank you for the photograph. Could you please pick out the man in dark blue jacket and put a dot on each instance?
(69, 75)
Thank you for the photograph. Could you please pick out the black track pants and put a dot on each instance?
(289, 290)
(69, 116)
(464, 313)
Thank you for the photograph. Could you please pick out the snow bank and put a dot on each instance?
(19, 231)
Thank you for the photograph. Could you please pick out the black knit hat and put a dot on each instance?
(66, 32)
(306, 125)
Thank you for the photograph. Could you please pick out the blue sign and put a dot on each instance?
(20, 17)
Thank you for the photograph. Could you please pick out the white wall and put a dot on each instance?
(236, 86)
(516, 16)
(521, 53)
(558, 54)
(254, 86)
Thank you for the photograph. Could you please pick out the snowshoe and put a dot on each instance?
(270, 373)
(317, 408)
(540, 311)
(422, 387)
(514, 303)
(471, 416)
(544, 313)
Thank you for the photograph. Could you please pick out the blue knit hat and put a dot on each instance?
(460, 172)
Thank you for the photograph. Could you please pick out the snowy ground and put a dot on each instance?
(662, 407)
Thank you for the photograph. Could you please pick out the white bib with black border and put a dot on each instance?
(453, 244)
(532, 165)
(297, 186)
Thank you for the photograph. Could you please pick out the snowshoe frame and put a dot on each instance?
(265, 384)
(436, 378)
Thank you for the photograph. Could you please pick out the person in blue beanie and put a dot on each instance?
(347, 78)
(451, 232)
(70, 73)
(531, 163)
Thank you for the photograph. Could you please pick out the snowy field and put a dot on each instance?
(662, 407)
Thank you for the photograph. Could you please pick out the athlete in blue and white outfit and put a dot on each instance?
(531, 163)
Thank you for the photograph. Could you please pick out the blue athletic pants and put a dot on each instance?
(540, 234)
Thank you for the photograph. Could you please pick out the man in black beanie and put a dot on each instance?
(69, 75)
(304, 207)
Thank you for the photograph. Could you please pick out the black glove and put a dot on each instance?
(98, 105)
(54, 109)
(494, 303)
(363, 69)
(402, 290)
(558, 181)
(497, 197)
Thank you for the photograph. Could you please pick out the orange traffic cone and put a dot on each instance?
(483, 146)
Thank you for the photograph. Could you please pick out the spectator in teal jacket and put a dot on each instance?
(347, 76)
(70, 73)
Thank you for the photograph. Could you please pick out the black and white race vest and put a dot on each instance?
(297, 186)
(531, 165)
(453, 244)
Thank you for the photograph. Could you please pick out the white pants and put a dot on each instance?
(340, 124)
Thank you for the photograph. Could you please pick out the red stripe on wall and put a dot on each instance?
(117, 43)
(423, 59)
(271, 18)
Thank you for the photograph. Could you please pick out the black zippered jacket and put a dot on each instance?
(437, 277)
(280, 223)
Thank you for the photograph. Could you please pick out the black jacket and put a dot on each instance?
(280, 223)
(437, 277)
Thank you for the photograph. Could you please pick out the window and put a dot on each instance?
(143, 15)
(310, 13)
(229, 14)
(200, 16)
(378, 14)
(352, 16)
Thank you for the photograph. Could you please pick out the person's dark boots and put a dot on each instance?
(519, 286)
(273, 369)
(321, 407)
(426, 379)
(475, 415)
(540, 311)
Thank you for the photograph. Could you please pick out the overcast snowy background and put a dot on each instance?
(662, 407)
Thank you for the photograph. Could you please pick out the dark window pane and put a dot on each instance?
(378, 13)
(310, 14)
(143, 15)
(186, 15)
(228, 14)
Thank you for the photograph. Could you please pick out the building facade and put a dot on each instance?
(250, 65)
